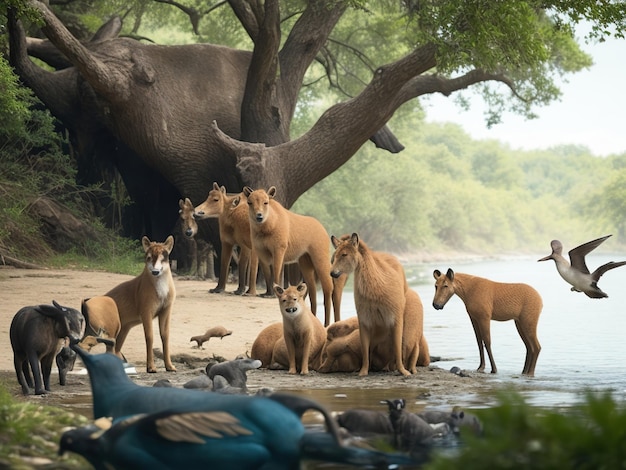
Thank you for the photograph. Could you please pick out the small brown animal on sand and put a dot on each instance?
(263, 346)
(149, 295)
(303, 333)
(281, 236)
(214, 332)
(486, 300)
(380, 290)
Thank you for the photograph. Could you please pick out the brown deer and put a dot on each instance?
(234, 224)
(281, 236)
(303, 333)
(486, 300)
(380, 291)
(149, 295)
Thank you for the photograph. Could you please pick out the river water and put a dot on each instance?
(583, 339)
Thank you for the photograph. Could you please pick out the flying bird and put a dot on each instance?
(577, 274)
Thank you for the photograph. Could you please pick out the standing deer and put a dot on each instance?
(487, 300)
(280, 236)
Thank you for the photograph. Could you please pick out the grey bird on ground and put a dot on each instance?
(576, 273)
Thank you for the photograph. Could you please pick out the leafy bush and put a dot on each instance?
(517, 436)
(34, 164)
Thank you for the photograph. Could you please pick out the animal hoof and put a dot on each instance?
(216, 290)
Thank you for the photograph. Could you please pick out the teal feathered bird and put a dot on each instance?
(115, 395)
(160, 428)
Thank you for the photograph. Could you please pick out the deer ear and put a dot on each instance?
(236, 201)
(145, 242)
(354, 239)
(272, 192)
(302, 288)
(450, 274)
(216, 186)
(247, 190)
(278, 290)
(169, 243)
(436, 274)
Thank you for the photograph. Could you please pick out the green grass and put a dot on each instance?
(30, 434)
(122, 256)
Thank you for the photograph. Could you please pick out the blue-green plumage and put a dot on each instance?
(163, 428)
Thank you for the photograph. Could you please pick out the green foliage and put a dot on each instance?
(517, 436)
(446, 192)
(33, 164)
(29, 431)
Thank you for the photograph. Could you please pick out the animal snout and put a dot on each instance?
(335, 274)
(75, 337)
(291, 309)
(259, 218)
(189, 233)
(198, 215)
(156, 272)
(437, 306)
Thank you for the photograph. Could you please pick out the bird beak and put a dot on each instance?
(545, 258)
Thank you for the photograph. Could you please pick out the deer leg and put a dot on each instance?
(338, 285)
(164, 331)
(485, 333)
(365, 351)
(244, 264)
(397, 343)
(149, 335)
(479, 340)
(528, 333)
(227, 252)
(306, 352)
(291, 353)
(253, 272)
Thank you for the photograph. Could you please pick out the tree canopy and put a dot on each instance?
(363, 60)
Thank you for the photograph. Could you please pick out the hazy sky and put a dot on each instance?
(590, 113)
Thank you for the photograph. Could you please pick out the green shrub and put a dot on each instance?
(590, 436)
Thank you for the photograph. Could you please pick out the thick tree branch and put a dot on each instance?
(249, 14)
(102, 78)
(426, 84)
(260, 111)
(351, 123)
(307, 37)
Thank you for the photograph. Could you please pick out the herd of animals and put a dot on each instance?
(386, 335)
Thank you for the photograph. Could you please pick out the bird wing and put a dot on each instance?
(189, 427)
(605, 267)
(577, 255)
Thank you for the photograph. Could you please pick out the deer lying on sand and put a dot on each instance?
(149, 295)
(342, 349)
(280, 236)
(263, 345)
(380, 293)
(232, 214)
(486, 300)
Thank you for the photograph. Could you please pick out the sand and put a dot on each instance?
(196, 310)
